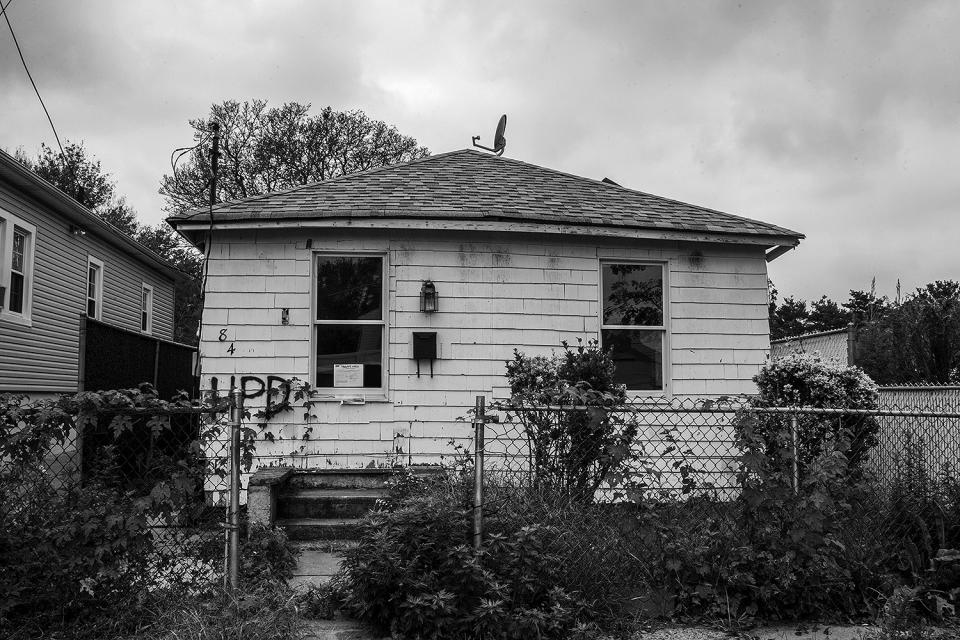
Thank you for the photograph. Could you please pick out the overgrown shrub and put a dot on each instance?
(267, 556)
(573, 451)
(73, 554)
(80, 551)
(805, 380)
(413, 573)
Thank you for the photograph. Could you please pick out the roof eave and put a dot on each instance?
(193, 230)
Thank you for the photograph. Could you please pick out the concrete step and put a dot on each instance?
(327, 503)
(340, 479)
(321, 528)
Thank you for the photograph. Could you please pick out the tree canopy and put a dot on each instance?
(913, 340)
(264, 149)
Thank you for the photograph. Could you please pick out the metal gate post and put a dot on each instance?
(236, 417)
(796, 465)
(479, 421)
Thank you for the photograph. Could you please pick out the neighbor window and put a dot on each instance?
(94, 288)
(146, 309)
(349, 323)
(632, 322)
(16, 267)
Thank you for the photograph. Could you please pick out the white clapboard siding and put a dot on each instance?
(497, 293)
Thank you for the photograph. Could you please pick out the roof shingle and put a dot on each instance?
(468, 185)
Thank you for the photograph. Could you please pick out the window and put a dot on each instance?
(16, 268)
(349, 323)
(146, 309)
(94, 288)
(632, 322)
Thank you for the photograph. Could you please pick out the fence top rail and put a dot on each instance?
(739, 409)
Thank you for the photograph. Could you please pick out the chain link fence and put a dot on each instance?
(176, 465)
(110, 505)
(616, 484)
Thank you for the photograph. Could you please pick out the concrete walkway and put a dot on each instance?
(338, 630)
(315, 567)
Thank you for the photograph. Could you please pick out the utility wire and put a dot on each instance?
(63, 157)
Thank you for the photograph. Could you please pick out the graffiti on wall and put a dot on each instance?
(275, 388)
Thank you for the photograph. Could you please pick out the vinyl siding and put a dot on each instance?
(496, 292)
(44, 357)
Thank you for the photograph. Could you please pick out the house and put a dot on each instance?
(82, 305)
(398, 293)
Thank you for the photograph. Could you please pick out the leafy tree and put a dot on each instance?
(264, 149)
(865, 306)
(825, 315)
(789, 318)
(916, 341)
(80, 177)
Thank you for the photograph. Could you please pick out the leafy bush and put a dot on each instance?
(414, 574)
(72, 554)
(267, 556)
(795, 560)
(573, 451)
(85, 555)
(805, 380)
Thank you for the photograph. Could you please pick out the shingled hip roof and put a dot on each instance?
(467, 185)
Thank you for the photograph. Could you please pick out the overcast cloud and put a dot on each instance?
(839, 120)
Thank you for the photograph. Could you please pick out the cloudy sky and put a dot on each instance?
(840, 120)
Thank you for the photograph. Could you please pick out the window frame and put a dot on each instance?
(146, 310)
(663, 329)
(351, 394)
(9, 223)
(98, 293)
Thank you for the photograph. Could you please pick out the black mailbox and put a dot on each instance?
(425, 345)
(424, 348)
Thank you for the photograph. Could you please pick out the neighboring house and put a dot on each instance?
(836, 345)
(61, 265)
(457, 259)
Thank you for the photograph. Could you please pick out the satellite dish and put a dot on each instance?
(499, 142)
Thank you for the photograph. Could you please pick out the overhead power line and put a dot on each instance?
(63, 157)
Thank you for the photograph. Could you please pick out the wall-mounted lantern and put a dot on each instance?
(428, 297)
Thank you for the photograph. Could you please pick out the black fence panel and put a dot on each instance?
(175, 370)
(115, 358)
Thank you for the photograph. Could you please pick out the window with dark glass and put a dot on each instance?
(18, 272)
(632, 324)
(349, 325)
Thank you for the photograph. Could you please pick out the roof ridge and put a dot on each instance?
(366, 172)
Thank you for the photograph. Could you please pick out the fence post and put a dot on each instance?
(236, 416)
(479, 420)
(796, 465)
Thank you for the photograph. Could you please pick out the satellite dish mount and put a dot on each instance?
(499, 142)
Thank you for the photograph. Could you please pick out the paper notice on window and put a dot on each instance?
(348, 375)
